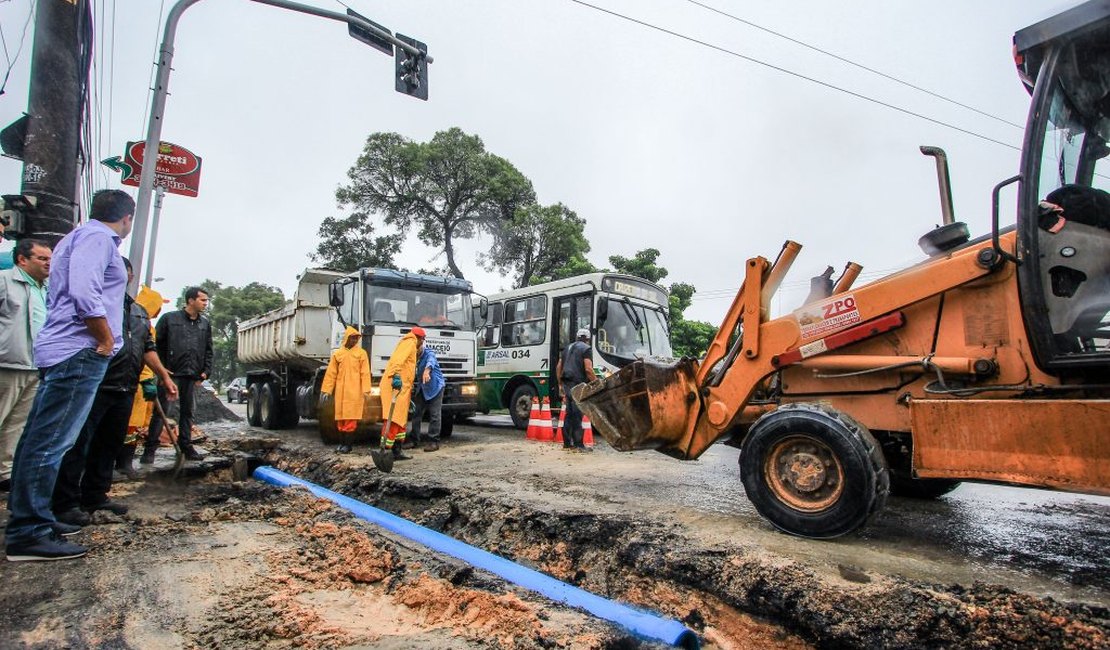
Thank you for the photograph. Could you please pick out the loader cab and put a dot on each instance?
(1064, 271)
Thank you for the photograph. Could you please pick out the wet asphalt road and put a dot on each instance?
(1038, 541)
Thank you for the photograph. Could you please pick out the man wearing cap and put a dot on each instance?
(428, 396)
(83, 329)
(347, 383)
(396, 384)
(575, 367)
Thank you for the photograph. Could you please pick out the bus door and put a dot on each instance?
(569, 314)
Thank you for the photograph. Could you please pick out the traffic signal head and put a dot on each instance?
(412, 70)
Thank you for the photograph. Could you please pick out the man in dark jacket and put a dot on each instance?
(575, 367)
(184, 342)
(85, 477)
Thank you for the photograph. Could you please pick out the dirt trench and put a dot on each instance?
(732, 596)
(214, 560)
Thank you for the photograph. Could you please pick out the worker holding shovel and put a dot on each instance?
(396, 393)
(348, 379)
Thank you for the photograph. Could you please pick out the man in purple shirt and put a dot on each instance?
(84, 328)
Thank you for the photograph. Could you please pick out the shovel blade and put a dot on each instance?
(383, 459)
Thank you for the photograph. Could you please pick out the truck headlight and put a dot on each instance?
(375, 391)
(470, 389)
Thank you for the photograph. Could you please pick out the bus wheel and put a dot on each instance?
(520, 405)
(813, 471)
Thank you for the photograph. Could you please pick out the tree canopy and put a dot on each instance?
(226, 308)
(446, 189)
(641, 265)
(350, 244)
(539, 244)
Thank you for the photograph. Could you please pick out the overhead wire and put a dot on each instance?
(793, 73)
(22, 39)
(856, 64)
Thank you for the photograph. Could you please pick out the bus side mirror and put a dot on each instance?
(335, 295)
(483, 309)
(602, 310)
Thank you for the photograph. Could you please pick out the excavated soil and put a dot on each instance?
(215, 561)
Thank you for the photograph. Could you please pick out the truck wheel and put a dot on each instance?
(520, 405)
(904, 485)
(267, 407)
(288, 417)
(447, 425)
(813, 471)
(253, 418)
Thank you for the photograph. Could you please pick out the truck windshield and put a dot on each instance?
(631, 331)
(418, 307)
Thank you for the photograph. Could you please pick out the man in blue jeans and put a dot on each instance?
(83, 329)
(427, 395)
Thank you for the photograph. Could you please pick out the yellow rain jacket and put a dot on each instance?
(402, 362)
(348, 379)
(141, 410)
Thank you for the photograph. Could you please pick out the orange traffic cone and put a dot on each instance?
(587, 431)
(562, 421)
(533, 432)
(546, 434)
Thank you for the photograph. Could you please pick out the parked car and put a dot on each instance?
(237, 390)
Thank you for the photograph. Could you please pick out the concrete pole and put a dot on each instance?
(53, 132)
(159, 193)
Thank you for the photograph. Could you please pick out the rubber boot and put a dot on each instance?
(148, 455)
(125, 461)
(398, 454)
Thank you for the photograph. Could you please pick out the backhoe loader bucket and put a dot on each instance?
(644, 406)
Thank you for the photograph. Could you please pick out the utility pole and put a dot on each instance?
(50, 147)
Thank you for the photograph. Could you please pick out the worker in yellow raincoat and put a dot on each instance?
(398, 378)
(143, 406)
(348, 380)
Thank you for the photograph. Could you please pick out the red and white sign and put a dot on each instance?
(177, 169)
(831, 315)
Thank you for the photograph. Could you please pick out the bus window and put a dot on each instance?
(524, 322)
(491, 333)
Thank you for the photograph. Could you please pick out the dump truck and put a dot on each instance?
(288, 349)
(988, 361)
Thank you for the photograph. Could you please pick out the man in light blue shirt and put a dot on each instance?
(22, 314)
(83, 329)
(427, 395)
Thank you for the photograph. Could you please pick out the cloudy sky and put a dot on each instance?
(656, 140)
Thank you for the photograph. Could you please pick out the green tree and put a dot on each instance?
(641, 265)
(688, 338)
(350, 244)
(446, 189)
(537, 244)
(227, 307)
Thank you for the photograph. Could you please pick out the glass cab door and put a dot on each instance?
(1064, 229)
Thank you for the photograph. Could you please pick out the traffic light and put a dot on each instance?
(412, 70)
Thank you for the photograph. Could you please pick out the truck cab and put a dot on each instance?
(385, 304)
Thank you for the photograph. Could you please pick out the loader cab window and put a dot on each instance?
(1065, 274)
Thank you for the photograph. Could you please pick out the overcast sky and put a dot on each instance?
(655, 140)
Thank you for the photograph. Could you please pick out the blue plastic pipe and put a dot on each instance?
(645, 624)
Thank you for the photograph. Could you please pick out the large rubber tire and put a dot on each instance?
(447, 425)
(268, 415)
(288, 417)
(904, 485)
(253, 418)
(520, 405)
(813, 471)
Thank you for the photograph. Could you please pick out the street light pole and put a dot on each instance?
(158, 109)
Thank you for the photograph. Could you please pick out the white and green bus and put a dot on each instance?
(527, 329)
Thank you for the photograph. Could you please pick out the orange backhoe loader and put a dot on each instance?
(989, 361)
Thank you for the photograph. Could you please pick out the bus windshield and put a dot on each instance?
(418, 307)
(631, 331)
